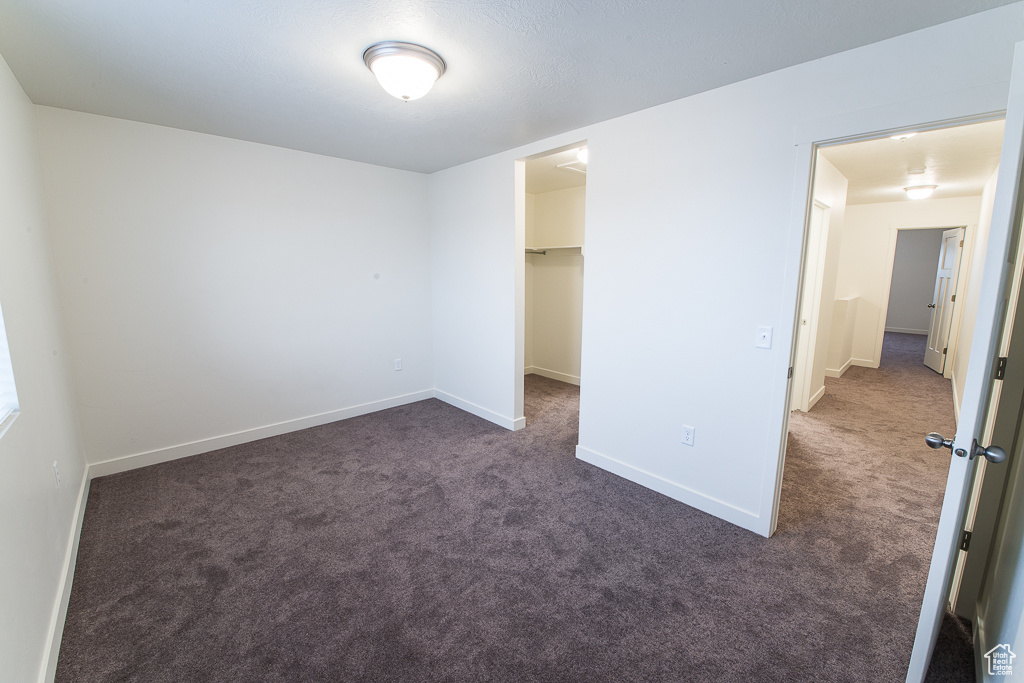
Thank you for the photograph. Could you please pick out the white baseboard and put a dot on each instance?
(552, 374)
(864, 363)
(817, 397)
(903, 330)
(60, 608)
(131, 462)
(830, 372)
(480, 411)
(730, 513)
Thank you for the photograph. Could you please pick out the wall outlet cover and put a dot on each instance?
(688, 435)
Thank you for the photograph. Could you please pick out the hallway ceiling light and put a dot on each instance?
(919, 191)
(405, 70)
(583, 155)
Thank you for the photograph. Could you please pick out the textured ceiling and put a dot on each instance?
(959, 161)
(291, 74)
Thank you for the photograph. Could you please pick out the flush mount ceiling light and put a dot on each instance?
(583, 155)
(405, 70)
(919, 191)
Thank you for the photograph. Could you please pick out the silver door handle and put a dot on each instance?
(937, 441)
(994, 454)
(931, 305)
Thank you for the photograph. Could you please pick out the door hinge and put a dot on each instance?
(1001, 367)
(953, 298)
(961, 243)
(965, 540)
(789, 375)
(944, 350)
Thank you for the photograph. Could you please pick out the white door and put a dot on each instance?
(942, 300)
(810, 304)
(978, 383)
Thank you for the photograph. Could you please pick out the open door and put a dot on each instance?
(943, 299)
(978, 384)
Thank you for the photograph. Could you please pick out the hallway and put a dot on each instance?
(858, 472)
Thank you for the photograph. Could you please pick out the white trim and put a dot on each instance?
(60, 608)
(131, 462)
(817, 397)
(730, 513)
(480, 411)
(956, 402)
(829, 372)
(865, 363)
(902, 330)
(552, 374)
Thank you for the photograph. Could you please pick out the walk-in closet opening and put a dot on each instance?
(555, 217)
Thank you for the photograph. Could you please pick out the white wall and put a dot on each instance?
(830, 188)
(913, 281)
(975, 263)
(36, 518)
(219, 288)
(694, 220)
(869, 240)
(554, 309)
(530, 289)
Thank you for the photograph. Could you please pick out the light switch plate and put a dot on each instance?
(764, 338)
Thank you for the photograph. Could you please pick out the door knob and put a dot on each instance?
(931, 305)
(994, 454)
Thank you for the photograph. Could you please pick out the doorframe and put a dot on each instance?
(970, 233)
(519, 361)
(810, 342)
(809, 138)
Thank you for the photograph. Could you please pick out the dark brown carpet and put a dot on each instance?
(424, 544)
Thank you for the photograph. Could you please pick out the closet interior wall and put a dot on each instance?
(554, 283)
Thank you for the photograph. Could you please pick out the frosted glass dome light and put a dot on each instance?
(919, 191)
(583, 155)
(405, 70)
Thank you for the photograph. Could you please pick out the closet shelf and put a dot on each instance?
(558, 248)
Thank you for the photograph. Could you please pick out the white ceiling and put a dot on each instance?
(959, 161)
(557, 171)
(291, 74)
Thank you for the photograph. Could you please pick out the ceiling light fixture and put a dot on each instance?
(583, 155)
(902, 137)
(919, 191)
(405, 70)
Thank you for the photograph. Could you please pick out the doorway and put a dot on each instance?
(554, 202)
(855, 438)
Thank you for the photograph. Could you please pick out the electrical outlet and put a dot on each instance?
(688, 435)
(398, 364)
(56, 473)
(764, 338)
